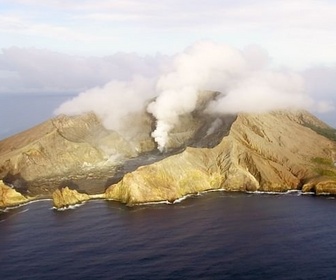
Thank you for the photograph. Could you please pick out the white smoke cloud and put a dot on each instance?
(204, 66)
(244, 77)
(263, 91)
(112, 102)
(217, 123)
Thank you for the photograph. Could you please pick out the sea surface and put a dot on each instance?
(217, 235)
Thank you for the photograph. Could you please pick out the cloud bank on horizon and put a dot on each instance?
(244, 77)
(92, 47)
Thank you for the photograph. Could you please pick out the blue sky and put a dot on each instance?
(73, 45)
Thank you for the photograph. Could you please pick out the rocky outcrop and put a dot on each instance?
(276, 151)
(321, 186)
(80, 150)
(69, 148)
(10, 197)
(65, 197)
(264, 152)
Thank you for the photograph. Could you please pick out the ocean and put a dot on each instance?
(216, 235)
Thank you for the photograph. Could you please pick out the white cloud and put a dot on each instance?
(11, 23)
(113, 101)
(295, 32)
(42, 71)
(245, 77)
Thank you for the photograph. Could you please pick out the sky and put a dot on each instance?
(72, 46)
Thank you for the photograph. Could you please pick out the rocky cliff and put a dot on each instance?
(275, 151)
(67, 149)
(65, 197)
(79, 151)
(10, 197)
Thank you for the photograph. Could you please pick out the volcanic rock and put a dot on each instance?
(65, 197)
(10, 197)
(68, 148)
(80, 150)
(276, 151)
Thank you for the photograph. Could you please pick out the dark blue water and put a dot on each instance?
(213, 236)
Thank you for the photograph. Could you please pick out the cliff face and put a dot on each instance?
(68, 149)
(65, 197)
(80, 151)
(264, 152)
(275, 151)
(10, 197)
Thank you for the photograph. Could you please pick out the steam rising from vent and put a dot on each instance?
(217, 123)
(112, 102)
(243, 76)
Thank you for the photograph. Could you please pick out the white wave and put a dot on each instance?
(24, 204)
(182, 198)
(308, 193)
(213, 190)
(263, 192)
(289, 192)
(197, 194)
(153, 203)
(179, 200)
(70, 207)
(292, 191)
(325, 194)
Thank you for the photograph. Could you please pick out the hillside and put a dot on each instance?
(272, 152)
(275, 151)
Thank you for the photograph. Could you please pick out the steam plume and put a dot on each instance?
(112, 102)
(244, 77)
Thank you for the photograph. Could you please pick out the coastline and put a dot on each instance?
(7, 208)
(167, 202)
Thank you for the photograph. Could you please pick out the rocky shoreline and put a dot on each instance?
(65, 160)
(66, 199)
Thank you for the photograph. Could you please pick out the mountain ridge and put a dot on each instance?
(250, 158)
(276, 151)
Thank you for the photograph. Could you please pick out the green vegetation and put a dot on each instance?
(323, 161)
(329, 133)
(324, 167)
(325, 172)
